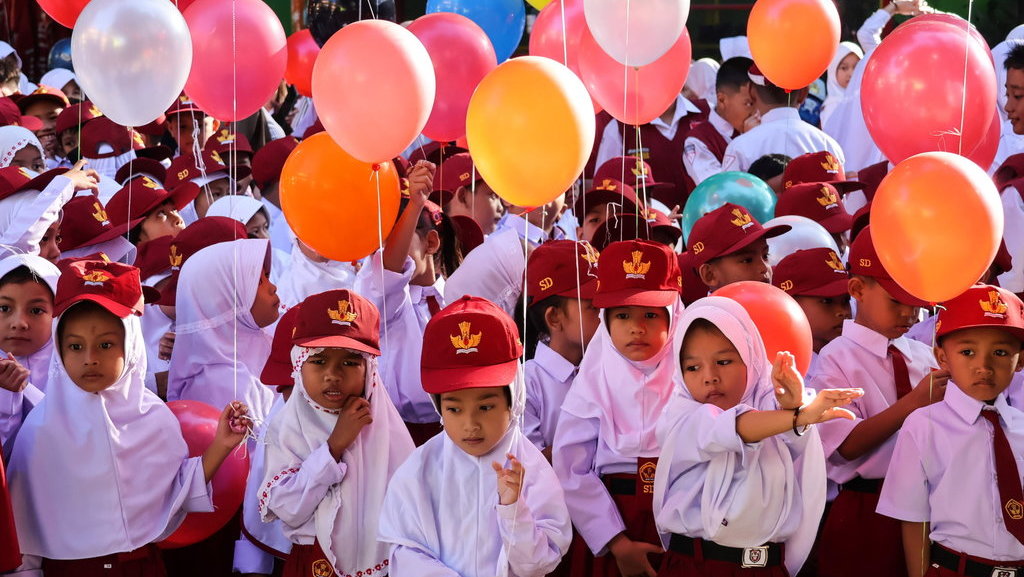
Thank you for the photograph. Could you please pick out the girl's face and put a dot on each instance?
(265, 307)
(845, 69)
(92, 348)
(486, 207)
(476, 419)
(164, 220)
(69, 140)
(26, 314)
(713, 371)
(638, 333)
(29, 158)
(210, 193)
(258, 227)
(333, 376)
(49, 245)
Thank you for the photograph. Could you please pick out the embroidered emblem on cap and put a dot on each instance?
(641, 170)
(589, 253)
(100, 215)
(786, 285)
(184, 99)
(175, 258)
(698, 247)
(865, 262)
(149, 183)
(95, 111)
(465, 177)
(830, 164)
(607, 184)
(828, 199)
(225, 136)
(342, 316)
(742, 219)
(994, 306)
(216, 156)
(466, 342)
(137, 139)
(546, 283)
(321, 568)
(1015, 509)
(95, 278)
(637, 268)
(182, 174)
(834, 263)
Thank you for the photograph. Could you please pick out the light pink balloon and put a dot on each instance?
(546, 38)
(462, 55)
(634, 96)
(373, 87)
(239, 54)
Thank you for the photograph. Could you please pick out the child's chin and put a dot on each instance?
(477, 449)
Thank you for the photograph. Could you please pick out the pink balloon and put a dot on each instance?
(373, 87)
(955, 21)
(462, 55)
(302, 53)
(985, 153)
(924, 64)
(234, 75)
(546, 39)
(634, 96)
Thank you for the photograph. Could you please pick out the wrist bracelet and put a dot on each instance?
(796, 430)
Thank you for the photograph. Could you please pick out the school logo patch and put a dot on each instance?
(149, 183)
(828, 199)
(1014, 509)
(225, 137)
(342, 316)
(742, 219)
(754, 557)
(786, 285)
(100, 215)
(95, 111)
(216, 157)
(637, 268)
(647, 471)
(607, 184)
(698, 247)
(834, 263)
(830, 164)
(321, 568)
(465, 342)
(95, 278)
(175, 257)
(994, 306)
(865, 262)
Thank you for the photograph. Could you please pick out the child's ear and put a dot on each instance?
(708, 275)
(553, 318)
(462, 196)
(855, 287)
(940, 356)
(433, 242)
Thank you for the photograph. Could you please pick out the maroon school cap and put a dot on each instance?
(634, 171)
(277, 371)
(693, 288)
(104, 131)
(132, 203)
(468, 232)
(982, 306)
(338, 319)
(10, 115)
(564, 268)
(15, 179)
(818, 167)
(226, 142)
(141, 167)
(206, 231)
(268, 161)
(816, 272)
(84, 222)
(43, 94)
(184, 104)
(151, 256)
(112, 285)
(471, 343)
(76, 115)
(864, 261)
(818, 201)
(455, 172)
(621, 226)
(604, 191)
(725, 230)
(637, 273)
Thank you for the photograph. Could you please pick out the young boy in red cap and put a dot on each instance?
(871, 353)
(236, 151)
(729, 245)
(561, 278)
(461, 191)
(189, 125)
(210, 174)
(706, 144)
(144, 212)
(594, 207)
(954, 481)
(605, 451)
(479, 500)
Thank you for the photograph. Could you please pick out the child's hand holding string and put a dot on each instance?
(13, 376)
(83, 179)
(232, 427)
(510, 481)
(421, 181)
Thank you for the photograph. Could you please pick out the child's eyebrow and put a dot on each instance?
(487, 396)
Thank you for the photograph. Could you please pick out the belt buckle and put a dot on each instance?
(758, 557)
(1004, 572)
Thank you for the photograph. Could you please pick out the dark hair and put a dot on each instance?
(10, 72)
(699, 324)
(21, 275)
(734, 73)
(449, 256)
(1015, 58)
(81, 308)
(537, 326)
(773, 95)
(507, 390)
(769, 166)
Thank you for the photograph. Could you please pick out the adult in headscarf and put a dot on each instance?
(700, 82)
(840, 71)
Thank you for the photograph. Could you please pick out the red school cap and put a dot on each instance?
(10, 115)
(277, 372)
(622, 226)
(268, 161)
(226, 142)
(84, 223)
(725, 230)
(141, 167)
(338, 319)
(816, 272)
(982, 306)
(76, 115)
(818, 167)
(864, 261)
(455, 172)
(206, 231)
(606, 191)
(104, 131)
(637, 273)
(43, 94)
(15, 179)
(634, 171)
(112, 285)
(151, 256)
(693, 288)
(471, 343)
(130, 205)
(818, 201)
(564, 268)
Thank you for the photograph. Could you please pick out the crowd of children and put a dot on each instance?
(499, 390)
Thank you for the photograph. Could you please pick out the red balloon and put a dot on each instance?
(239, 55)
(634, 95)
(546, 38)
(985, 153)
(955, 21)
(63, 11)
(779, 319)
(302, 51)
(924, 63)
(462, 55)
(198, 426)
(183, 4)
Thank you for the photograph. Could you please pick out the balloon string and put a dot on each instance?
(963, 99)
(565, 41)
(380, 244)
(931, 390)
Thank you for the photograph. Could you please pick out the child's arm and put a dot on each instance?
(396, 247)
(916, 547)
(231, 430)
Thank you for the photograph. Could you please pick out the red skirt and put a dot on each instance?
(857, 542)
(307, 561)
(143, 562)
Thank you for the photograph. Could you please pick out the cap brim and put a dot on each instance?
(115, 308)
(592, 198)
(157, 153)
(770, 232)
(845, 186)
(277, 374)
(209, 177)
(440, 381)
(636, 298)
(837, 223)
(585, 291)
(169, 293)
(107, 235)
(897, 292)
(43, 180)
(336, 342)
(838, 287)
(668, 229)
(1015, 331)
(183, 194)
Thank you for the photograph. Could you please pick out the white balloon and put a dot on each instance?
(636, 32)
(804, 234)
(132, 57)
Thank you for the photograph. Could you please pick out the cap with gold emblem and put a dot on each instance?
(565, 268)
(130, 205)
(112, 285)
(725, 230)
(637, 273)
(982, 306)
(864, 261)
(338, 319)
(818, 201)
(815, 272)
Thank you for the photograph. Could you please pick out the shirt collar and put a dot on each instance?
(783, 113)
(553, 363)
(526, 231)
(683, 107)
(419, 293)
(721, 125)
(874, 341)
(963, 406)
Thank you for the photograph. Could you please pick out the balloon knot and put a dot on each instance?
(376, 167)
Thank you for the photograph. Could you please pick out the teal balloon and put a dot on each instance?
(739, 188)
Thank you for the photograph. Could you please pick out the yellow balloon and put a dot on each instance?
(530, 128)
(539, 4)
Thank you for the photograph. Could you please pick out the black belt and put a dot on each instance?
(862, 485)
(620, 485)
(769, 555)
(945, 558)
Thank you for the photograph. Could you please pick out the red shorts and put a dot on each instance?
(308, 561)
(946, 562)
(857, 542)
(142, 562)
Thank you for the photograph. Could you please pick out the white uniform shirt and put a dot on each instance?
(698, 159)
(781, 131)
(493, 270)
(943, 472)
(1013, 234)
(548, 378)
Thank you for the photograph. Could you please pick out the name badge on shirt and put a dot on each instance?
(646, 468)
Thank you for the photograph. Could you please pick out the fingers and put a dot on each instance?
(80, 165)
(648, 547)
(837, 413)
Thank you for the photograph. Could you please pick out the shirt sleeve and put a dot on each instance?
(409, 561)
(905, 491)
(830, 375)
(700, 163)
(30, 223)
(870, 34)
(385, 287)
(294, 494)
(591, 507)
(731, 159)
(533, 414)
(534, 546)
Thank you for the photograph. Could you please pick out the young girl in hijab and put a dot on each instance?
(333, 448)
(19, 147)
(99, 470)
(224, 300)
(253, 216)
(605, 450)
(741, 479)
(479, 500)
(840, 71)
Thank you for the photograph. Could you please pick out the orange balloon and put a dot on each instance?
(334, 203)
(780, 321)
(530, 128)
(793, 41)
(936, 222)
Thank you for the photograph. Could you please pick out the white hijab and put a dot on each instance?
(702, 77)
(236, 206)
(13, 139)
(778, 497)
(219, 350)
(347, 517)
(306, 277)
(57, 78)
(94, 473)
(627, 397)
(834, 93)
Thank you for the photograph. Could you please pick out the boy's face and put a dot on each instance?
(592, 221)
(581, 320)
(735, 105)
(333, 376)
(750, 263)
(476, 419)
(638, 333)
(69, 140)
(26, 314)
(713, 371)
(265, 307)
(49, 245)
(981, 361)
(826, 316)
(545, 217)
(92, 349)
(164, 220)
(484, 205)
(29, 158)
(878, 311)
(210, 193)
(1015, 99)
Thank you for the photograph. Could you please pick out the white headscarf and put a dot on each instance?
(219, 350)
(346, 519)
(236, 206)
(734, 46)
(834, 93)
(94, 473)
(702, 77)
(57, 78)
(778, 497)
(13, 139)
(306, 277)
(627, 397)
